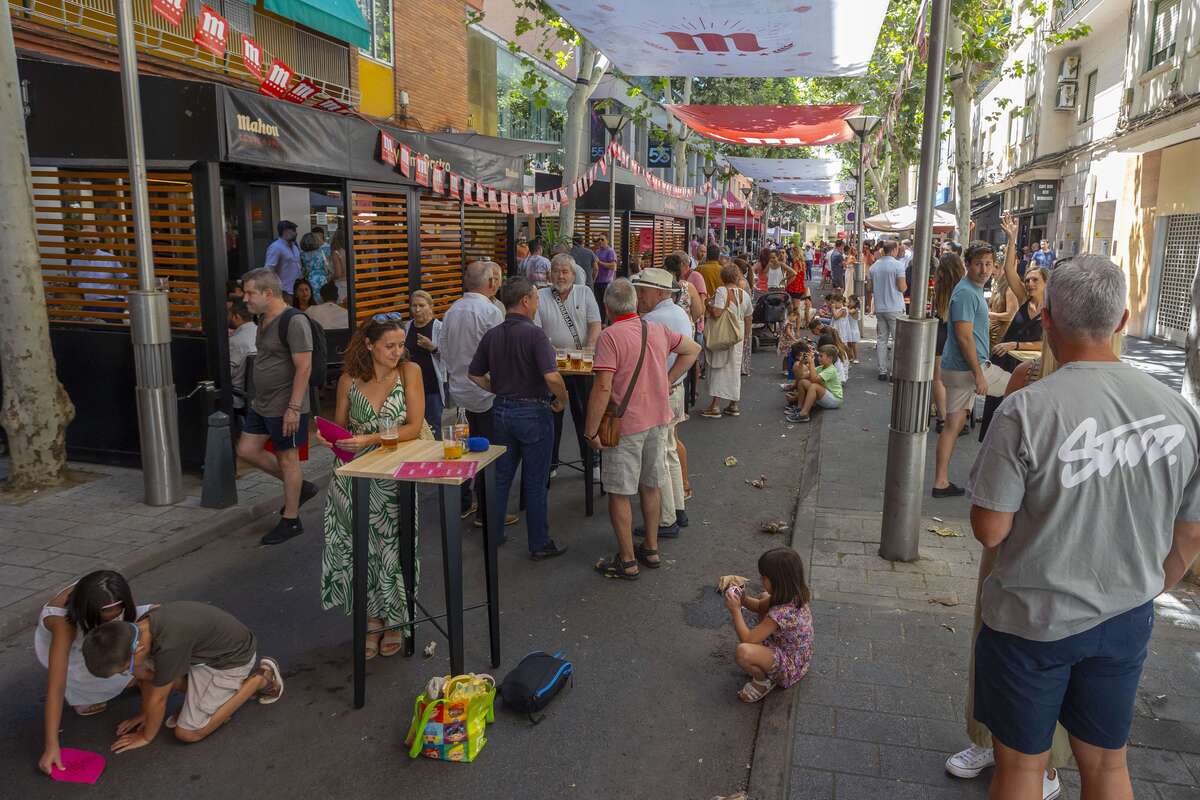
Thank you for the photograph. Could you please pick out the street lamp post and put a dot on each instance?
(614, 123)
(149, 313)
(746, 192)
(912, 368)
(862, 126)
(710, 169)
(726, 175)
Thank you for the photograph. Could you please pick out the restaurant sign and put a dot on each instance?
(265, 131)
(1044, 195)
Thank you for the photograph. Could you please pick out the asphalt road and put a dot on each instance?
(652, 712)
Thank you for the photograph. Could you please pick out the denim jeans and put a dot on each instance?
(526, 428)
(433, 413)
(885, 339)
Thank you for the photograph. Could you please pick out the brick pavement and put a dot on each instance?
(883, 704)
(98, 520)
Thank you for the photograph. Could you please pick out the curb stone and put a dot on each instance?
(20, 616)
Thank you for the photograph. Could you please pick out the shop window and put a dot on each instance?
(1089, 99)
(378, 16)
(1162, 31)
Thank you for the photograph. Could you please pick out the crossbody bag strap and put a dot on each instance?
(637, 370)
(566, 315)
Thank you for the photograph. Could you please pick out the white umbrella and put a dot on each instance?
(900, 220)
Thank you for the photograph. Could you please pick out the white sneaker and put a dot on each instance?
(1051, 787)
(972, 761)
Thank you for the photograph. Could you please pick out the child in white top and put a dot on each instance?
(854, 311)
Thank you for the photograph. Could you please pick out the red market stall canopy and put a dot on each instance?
(812, 199)
(733, 205)
(787, 169)
(780, 126)
(730, 38)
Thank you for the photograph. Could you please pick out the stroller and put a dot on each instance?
(770, 313)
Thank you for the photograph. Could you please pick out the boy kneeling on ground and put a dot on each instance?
(819, 384)
(193, 648)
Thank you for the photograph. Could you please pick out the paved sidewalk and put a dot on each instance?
(883, 705)
(98, 520)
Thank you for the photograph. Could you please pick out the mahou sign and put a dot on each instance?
(279, 75)
(252, 56)
(211, 28)
(170, 10)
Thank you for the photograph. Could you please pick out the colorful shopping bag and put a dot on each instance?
(451, 726)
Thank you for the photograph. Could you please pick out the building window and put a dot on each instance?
(378, 16)
(1162, 31)
(1029, 119)
(1089, 99)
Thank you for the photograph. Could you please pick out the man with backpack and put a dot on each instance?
(290, 350)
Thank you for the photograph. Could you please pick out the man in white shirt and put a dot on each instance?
(99, 265)
(327, 313)
(656, 303)
(906, 252)
(242, 335)
(886, 277)
(568, 313)
(464, 325)
(536, 267)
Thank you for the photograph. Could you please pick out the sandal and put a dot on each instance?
(732, 412)
(645, 554)
(755, 690)
(269, 669)
(616, 568)
(374, 633)
(711, 413)
(392, 643)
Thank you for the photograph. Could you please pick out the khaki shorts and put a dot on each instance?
(208, 689)
(960, 386)
(637, 460)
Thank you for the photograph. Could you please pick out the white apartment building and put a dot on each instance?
(1096, 148)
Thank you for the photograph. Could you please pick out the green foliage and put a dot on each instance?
(555, 42)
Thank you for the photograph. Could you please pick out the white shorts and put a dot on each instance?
(637, 460)
(208, 689)
(960, 386)
(827, 400)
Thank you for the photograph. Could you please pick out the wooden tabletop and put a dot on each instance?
(382, 464)
(1025, 355)
(568, 371)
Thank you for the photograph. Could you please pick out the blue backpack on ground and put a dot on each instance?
(534, 682)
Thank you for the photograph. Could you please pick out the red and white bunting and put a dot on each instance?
(170, 10)
(439, 180)
(387, 149)
(331, 105)
(527, 204)
(422, 161)
(603, 165)
(405, 160)
(455, 185)
(468, 191)
(211, 28)
(279, 76)
(302, 92)
(252, 56)
(480, 194)
(493, 200)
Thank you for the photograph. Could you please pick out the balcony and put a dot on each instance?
(325, 62)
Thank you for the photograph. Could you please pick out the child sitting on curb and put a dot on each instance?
(196, 649)
(819, 384)
(778, 650)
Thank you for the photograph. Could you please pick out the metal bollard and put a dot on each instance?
(220, 476)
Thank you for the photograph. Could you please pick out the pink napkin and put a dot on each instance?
(335, 433)
(437, 469)
(79, 766)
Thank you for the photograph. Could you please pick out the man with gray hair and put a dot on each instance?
(463, 327)
(631, 374)
(1087, 485)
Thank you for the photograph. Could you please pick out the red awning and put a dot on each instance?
(812, 199)
(733, 205)
(779, 126)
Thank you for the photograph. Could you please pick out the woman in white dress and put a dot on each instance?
(725, 366)
(96, 598)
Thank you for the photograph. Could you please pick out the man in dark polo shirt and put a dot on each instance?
(524, 380)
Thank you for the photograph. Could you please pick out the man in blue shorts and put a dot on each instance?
(1087, 484)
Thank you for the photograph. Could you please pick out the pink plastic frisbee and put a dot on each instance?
(79, 766)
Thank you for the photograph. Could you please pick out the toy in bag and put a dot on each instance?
(449, 718)
(535, 681)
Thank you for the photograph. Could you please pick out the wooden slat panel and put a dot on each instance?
(441, 250)
(595, 223)
(380, 234)
(485, 236)
(84, 222)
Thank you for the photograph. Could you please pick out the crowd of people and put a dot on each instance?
(1074, 442)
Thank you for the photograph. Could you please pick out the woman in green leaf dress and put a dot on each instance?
(378, 380)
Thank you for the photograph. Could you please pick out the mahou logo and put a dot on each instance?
(701, 37)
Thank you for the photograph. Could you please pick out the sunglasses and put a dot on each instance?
(137, 634)
(388, 316)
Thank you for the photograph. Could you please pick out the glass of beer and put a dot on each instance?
(389, 433)
(452, 446)
(560, 355)
(589, 356)
(576, 360)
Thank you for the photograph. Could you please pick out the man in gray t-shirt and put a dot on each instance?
(279, 409)
(1087, 485)
(887, 281)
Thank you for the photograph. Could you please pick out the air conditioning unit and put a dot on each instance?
(1064, 99)
(1069, 71)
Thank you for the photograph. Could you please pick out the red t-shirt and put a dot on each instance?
(617, 352)
(797, 284)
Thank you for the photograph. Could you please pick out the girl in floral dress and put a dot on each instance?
(378, 380)
(778, 649)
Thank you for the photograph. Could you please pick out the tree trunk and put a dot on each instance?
(35, 409)
(962, 90)
(679, 157)
(1191, 375)
(576, 133)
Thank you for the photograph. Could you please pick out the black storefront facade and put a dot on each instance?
(210, 149)
(646, 221)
